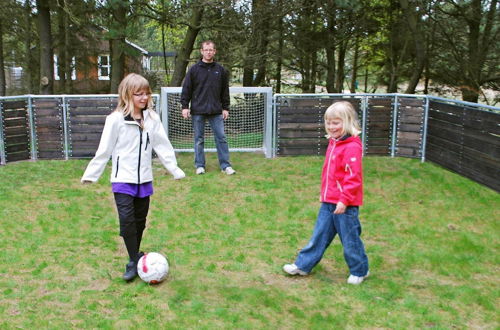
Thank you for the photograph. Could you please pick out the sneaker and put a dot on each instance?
(356, 280)
(292, 269)
(200, 170)
(229, 170)
(130, 271)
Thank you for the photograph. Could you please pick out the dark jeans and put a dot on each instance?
(328, 225)
(217, 124)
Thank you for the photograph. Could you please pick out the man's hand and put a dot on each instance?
(340, 208)
(186, 113)
(225, 114)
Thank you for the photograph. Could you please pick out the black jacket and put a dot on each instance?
(206, 86)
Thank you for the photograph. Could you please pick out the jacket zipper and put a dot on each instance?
(328, 169)
(117, 165)
(147, 141)
(139, 160)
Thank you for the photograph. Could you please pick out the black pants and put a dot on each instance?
(132, 212)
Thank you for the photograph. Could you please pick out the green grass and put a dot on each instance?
(431, 237)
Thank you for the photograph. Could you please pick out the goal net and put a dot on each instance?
(248, 128)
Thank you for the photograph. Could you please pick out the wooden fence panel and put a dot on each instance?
(300, 124)
(49, 132)
(378, 126)
(465, 140)
(16, 130)
(86, 118)
(410, 126)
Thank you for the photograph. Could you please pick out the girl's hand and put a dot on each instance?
(179, 174)
(340, 208)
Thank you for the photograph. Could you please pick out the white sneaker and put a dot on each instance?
(356, 280)
(292, 269)
(229, 170)
(200, 170)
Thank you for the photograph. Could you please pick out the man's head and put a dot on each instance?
(207, 51)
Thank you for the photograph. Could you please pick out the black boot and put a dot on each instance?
(130, 271)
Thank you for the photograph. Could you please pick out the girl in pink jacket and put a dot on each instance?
(341, 196)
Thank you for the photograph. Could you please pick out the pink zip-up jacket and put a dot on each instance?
(342, 176)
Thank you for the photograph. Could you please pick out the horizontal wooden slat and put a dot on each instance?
(12, 148)
(408, 152)
(53, 113)
(15, 156)
(88, 120)
(50, 154)
(97, 111)
(17, 113)
(15, 122)
(18, 104)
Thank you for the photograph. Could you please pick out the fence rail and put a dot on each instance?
(461, 136)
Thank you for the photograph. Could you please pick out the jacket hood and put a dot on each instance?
(348, 139)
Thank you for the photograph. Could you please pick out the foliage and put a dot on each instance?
(433, 257)
(271, 42)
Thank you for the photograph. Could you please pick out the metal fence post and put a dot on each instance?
(394, 125)
(424, 134)
(2, 144)
(65, 127)
(268, 123)
(31, 115)
(364, 109)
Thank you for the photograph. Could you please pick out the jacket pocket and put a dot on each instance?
(117, 166)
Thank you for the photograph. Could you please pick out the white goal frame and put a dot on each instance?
(266, 120)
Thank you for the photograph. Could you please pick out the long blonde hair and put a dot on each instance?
(344, 111)
(131, 84)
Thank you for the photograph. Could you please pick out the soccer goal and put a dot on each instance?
(249, 127)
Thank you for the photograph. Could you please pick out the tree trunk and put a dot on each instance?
(339, 80)
(46, 52)
(354, 83)
(416, 33)
(61, 47)
(29, 76)
(330, 53)
(2, 67)
(182, 58)
(117, 44)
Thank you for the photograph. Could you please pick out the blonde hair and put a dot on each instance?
(344, 111)
(131, 84)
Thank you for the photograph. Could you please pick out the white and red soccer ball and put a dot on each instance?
(152, 268)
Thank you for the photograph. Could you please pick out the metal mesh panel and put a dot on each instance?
(245, 127)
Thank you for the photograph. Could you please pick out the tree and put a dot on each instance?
(184, 52)
(469, 34)
(45, 45)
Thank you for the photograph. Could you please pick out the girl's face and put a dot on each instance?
(334, 127)
(140, 99)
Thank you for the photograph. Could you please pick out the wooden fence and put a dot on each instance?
(391, 125)
(460, 136)
(465, 140)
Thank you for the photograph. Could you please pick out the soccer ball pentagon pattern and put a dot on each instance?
(152, 268)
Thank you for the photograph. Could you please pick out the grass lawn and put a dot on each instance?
(432, 238)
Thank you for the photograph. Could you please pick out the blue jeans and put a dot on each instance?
(348, 228)
(217, 124)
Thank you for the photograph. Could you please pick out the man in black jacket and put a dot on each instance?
(206, 86)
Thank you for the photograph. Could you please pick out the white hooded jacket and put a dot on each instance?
(131, 150)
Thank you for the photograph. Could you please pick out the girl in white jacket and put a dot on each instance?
(130, 134)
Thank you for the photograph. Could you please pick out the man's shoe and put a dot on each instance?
(229, 170)
(356, 280)
(130, 271)
(292, 269)
(200, 170)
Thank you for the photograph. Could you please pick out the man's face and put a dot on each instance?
(207, 52)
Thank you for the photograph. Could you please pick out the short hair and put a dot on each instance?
(131, 84)
(344, 111)
(207, 42)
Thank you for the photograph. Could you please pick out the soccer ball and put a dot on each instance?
(152, 268)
